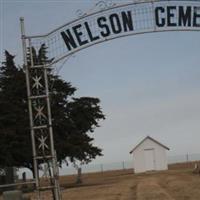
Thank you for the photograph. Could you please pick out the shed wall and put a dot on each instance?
(160, 156)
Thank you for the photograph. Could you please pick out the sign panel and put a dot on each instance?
(120, 21)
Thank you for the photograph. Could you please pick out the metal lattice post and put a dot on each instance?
(40, 120)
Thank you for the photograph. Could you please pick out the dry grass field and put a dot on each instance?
(174, 184)
(123, 185)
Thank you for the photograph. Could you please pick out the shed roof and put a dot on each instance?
(148, 137)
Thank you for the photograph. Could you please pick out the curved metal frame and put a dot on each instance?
(115, 36)
(101, 11)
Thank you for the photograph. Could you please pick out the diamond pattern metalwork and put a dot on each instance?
(40, 115)
(43, 144)
(37, 83)
(42, 141)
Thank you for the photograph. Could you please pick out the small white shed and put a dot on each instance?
(149, 155)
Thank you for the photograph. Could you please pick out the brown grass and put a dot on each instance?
(174, 184)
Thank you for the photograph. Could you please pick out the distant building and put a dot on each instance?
(149, 155)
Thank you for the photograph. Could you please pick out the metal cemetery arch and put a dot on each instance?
(111, 21)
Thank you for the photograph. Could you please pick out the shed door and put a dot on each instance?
(149, 159)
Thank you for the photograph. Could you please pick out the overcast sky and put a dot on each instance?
(148, 84)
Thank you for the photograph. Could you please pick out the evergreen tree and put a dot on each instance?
(14, 124)
(73, 118)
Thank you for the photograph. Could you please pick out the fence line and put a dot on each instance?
(101, 167)
(127, 164)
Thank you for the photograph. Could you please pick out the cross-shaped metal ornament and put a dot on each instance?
(40, 113)
(37, 83)
(43, 144)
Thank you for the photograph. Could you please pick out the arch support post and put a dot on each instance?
(44, 154)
